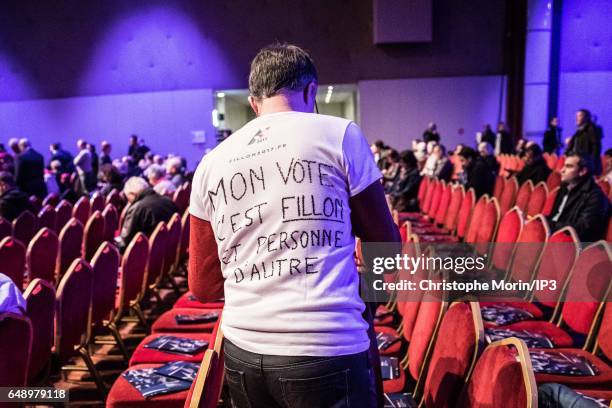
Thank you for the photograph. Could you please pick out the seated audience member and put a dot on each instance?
(521, 145)
(431, 133)
(607, 171)
(486, 153)
(144, 163)
(30, 170)
(437, 164)
(11, 299)
(7, 162)
(158, 159)
(580, 203)
(110, 179)
(13, 201)
(147, 209)
(378, 148)
(403, 193)
(174, 170)
(157, 178)
(503, 142)
(535, 168)
(392, 168)
(419, 148)
(478, 174)
(55, 171)
(51, 180)
(61, 155)
(105, 158)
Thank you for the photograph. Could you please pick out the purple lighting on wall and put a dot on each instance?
(13, 82)
(158, 49)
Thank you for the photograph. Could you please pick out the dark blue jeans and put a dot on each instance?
(257, 380)
(552, 395)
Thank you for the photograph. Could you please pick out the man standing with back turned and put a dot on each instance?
(274, 213)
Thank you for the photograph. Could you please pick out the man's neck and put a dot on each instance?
(292, 102)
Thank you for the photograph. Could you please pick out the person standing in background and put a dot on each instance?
(552, 137)
(431, 133)
(83, 164)
(586, 140)
(487, 135)
(61, 155)
(504, 143)
(95, 160)
(30, 170)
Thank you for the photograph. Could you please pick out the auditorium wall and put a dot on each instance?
(398, 111)
(585, 79)
(56, 55)
(165, 120)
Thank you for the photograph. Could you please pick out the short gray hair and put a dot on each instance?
(155, 171)
(135, 185)
(24, 143)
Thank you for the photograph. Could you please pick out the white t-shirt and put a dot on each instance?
(276, 193)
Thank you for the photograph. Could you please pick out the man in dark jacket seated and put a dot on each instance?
(147, 209)
(580, 202)
(478, 174)
(535, 168)
(13, 201)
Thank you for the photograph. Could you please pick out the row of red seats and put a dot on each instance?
(92, 296)
(523, 262)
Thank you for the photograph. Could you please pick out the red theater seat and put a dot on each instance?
(457, 346)
(40, 308)
(189, 301)
(166, 323)
(502, 377)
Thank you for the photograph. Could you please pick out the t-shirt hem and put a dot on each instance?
(302, 350)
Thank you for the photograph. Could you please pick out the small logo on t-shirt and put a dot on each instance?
(260, 136)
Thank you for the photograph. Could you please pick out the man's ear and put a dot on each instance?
(253, 103)
(312, 91)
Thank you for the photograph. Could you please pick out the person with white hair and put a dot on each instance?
(13, 143)
(174, 170)
(437, 164)
(146, 210)
(157, 178)
(30, 170)
(485, 150)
